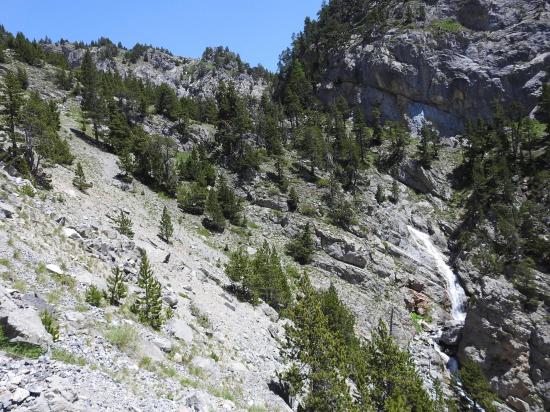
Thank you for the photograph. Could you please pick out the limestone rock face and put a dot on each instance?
(498, 50)
(510, 344)
(188, 77)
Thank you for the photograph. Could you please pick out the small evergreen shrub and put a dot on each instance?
(50, 324)
(124, 225)
(302, 247)
(94, 296)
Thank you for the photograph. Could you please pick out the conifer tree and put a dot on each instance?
(230, 204)
(145, 271)
(116, 286)
(310, 342)
(428, 147)
(79, 180)
(92, 102)
(377, 127)
(192, 199)
(148, 305)
(11, 99)
(385, 373)
(124, 225)
(293, 199)
(166, 229)
(301, 248)
(214, 219)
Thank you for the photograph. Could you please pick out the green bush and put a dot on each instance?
(476, 385)
(94, 296)
(450, 26)
(192, 200)
(50, 324)
(302, 247)
(261, 276)
(122, 336)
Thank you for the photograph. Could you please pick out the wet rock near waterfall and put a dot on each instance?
(451, 334)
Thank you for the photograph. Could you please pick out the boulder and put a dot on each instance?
(278, 204)
(347, 272)
(411, 173)
(23, 325)
(342, 249)
(180, 330)
(451, 334)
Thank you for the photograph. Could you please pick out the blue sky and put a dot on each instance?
(258, 30)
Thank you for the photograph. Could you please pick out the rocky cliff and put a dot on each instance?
(188, 77)
(446, 61)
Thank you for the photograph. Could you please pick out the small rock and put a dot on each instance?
(71, 233)
(55, 269)
(20, 395)
(6, 210)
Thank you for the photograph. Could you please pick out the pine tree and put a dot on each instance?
(230, 204)
(116, 286)
(293, 200)
(92, 103)
(39, 121)
(192, 199)
(11, 99)
(428, 147)
(166, 229)
(148, 304)
(386, 375)
(310, 341)
(79, 180)
(377, 127)
(93, 296)
(124, 225)
(214, 219)
(301, 248)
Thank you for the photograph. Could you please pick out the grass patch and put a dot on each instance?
(20, 349)
(20, 286)
(204, 231)
(122, 336)
(26, 190)
(202, 319)
(168, 371)
(189, 383)
(5, 262)
(224, 393)
(257, 408)
(65, 356)
(449, 26)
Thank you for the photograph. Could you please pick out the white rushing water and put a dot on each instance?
(458, 309)
(455, 291)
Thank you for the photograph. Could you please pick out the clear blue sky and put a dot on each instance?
(258, 30)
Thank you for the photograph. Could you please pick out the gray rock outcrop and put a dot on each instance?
(448, 67)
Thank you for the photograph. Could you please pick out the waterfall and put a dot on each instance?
(454, 290)
(458, 308)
